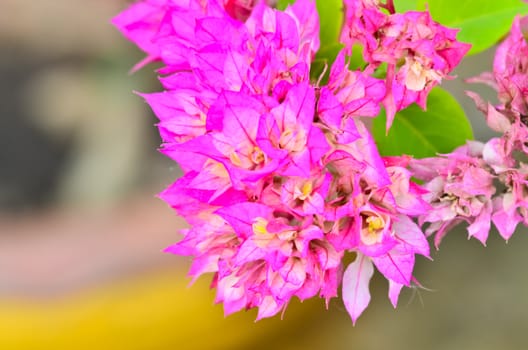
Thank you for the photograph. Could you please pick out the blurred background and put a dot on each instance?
(81, 231)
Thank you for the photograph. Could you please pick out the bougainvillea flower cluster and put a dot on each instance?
(281, 177)
(462, 185)
(418, 52)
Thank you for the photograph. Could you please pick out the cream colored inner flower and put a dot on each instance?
(292, 141)
(304, 191)
(417, 76)
(259, 229)
(257, 156)
(372, 229)
(249, 159)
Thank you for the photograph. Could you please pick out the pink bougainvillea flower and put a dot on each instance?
(460, 186)
(287, 133)
(428, 50)
(511, 206)
(510, 68)
(502, 153)
(290, 257)
(506, 216)
(306, 196)
(281, 177)
(368, 210)
(181, 112)
(358, 94)
(388, 241)
(510, 79)
(356, 294)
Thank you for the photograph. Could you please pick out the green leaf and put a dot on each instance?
(331, 19)
(406, 5)
(481, 23)
(331, 15)
(485, 31)
(282, 4)
(440, 129)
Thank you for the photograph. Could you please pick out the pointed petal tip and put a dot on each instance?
(481, 240)
(356, 294)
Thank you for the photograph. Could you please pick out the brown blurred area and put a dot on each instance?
(81, 231)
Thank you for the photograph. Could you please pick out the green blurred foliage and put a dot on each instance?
(481, 23)
(439, 129)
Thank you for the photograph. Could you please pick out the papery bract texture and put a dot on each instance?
(462, 185)
(281, 177)
(418, 52)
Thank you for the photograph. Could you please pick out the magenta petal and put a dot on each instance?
(299, 165)
(356, 294)
(496, 120)
(203, 264)
(268, 133)
(192, 154)
(411, 235)
(309, 289)
(306, 236)
(268, 307)
(241, 115)
(235, 70)
(140, 22)
(185, 247)
(394, 292)
(242, 216)
(505, 219)
(378, 249)
(230, 294)
(317, 144)
(294, 272)
(306, 16)
(286, 33)
(188, 202)
(481, 226)
(396, 266)
(349, 132)
(329, 108)
(298, 108)
(314, 204)
(248, 251)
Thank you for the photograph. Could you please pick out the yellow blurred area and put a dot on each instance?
(156, 311)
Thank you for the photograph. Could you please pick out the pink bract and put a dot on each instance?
(429, 51)
(281, 177)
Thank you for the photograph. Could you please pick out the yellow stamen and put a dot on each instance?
(372, 230)
(293, 141)
(259, 226)
(262, 236)
(306, 190)
(257, 156)
(285, 138)
(216, 168)
(375, 223)
(235, 159)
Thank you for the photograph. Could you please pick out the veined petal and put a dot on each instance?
(356, 294)
(396, 266)
(411, 236)
(242, 216)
